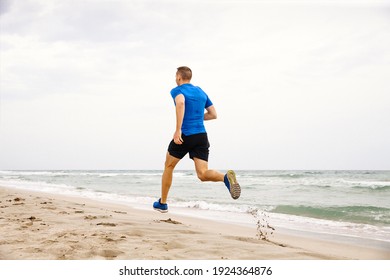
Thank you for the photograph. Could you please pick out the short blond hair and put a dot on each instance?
(184, 72)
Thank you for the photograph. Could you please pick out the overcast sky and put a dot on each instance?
(297, 84)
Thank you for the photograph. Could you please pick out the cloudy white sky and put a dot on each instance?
(297, 84)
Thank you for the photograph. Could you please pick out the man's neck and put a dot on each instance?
(184, 82)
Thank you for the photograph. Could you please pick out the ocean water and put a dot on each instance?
(349, 203)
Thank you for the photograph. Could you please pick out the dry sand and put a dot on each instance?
(44, 226)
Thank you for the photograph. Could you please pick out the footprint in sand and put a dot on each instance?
(16, 204)
(109, 254)
(137, 233)
(106, 224)
(46, 202)
(173, 245)
(170, 221)
(63, 235)
(18, 201)
(49, 208)
(90, 217)
(120, 212)
(34, 219)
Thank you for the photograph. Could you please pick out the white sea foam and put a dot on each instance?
(36, 185)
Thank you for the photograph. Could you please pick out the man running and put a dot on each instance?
(190, 137)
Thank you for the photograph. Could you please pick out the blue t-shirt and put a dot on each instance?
(196, 100)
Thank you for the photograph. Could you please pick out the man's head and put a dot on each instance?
(183, 75)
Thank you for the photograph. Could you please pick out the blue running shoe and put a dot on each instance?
(161, 207)
(232, 184)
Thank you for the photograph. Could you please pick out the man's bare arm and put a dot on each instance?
(180, 107)
(211, 113)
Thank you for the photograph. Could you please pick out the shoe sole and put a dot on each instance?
(160, 210)
(235, 189)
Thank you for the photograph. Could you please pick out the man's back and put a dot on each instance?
(196, 100)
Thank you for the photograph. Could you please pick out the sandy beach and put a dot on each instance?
(40, 226)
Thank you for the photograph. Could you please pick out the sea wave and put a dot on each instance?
(373, 187)
(203, 205)
(36, 185)
(357, 214)
(81, 173)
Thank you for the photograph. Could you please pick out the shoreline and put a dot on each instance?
(39, 225)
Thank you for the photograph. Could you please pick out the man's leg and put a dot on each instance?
(166, 182)
(204, 174)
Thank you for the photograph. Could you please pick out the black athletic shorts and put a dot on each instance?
(197, 145)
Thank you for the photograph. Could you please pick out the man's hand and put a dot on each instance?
(177, 137)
